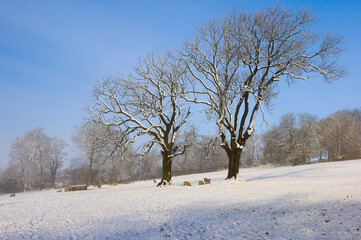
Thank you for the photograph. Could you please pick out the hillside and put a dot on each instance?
(319, 201)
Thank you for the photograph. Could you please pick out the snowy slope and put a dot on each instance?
(319, 201)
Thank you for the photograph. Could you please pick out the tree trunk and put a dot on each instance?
(22, 178)
(90, 179)
(53, 178)
(166, 170)
(331, 154)
(303, 159)
(234, 157)
(41, 175)
(99, 182)
(113, 175)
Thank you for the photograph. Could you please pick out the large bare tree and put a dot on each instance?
(146, 103)
(236, 62)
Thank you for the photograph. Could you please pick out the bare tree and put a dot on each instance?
(353, 138)
(19, 157)
(288, 141)
(270, 147)
(251, 152)
(341, 135)
(237, 61)
(147, 103)
(88, 140)
(308, 140)
(56, 156)
(9, 181)
(280, 142)
(38, 149)
(36, 157)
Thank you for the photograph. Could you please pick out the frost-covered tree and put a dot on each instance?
(288, 138)
(97, 143)
(147, 103)
(36, 158)
(236, 62)
(251, 155)
(9, 181)
(37, 144)
(295, 140)
(201, 156)
(341, 134)
(280, 142)
(308, 139)
(19, 157)
(270, 146)
(56, 155)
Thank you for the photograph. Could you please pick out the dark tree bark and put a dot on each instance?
(233, 167)
(166, 169)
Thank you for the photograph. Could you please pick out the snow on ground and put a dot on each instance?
(319, 201)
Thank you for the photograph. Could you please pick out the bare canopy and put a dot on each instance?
(236, 61)
(146, 103)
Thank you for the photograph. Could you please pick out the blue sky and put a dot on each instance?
(52, 52)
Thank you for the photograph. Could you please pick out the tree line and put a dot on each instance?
(230, 68)
(303, 139)
(37, 160)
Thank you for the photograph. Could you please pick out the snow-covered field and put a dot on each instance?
(319, 201)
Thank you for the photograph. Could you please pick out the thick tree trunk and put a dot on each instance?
(234, 157)
(166, 170)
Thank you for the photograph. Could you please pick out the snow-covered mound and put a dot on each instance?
(319, 201)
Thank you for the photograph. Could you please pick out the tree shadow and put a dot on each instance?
(282, 218)
(297, 174)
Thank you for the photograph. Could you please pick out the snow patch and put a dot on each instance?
(318, 201)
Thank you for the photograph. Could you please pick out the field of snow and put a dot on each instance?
(319, 201)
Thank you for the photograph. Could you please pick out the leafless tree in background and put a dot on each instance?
(147, 103)
(88, 145)
(38, 149)
(98, 144)
(19, 157)
(341, 133)
(237, 61)
(287, 138)
(308, 139)
(56, 157)
(36, 159)
(251, 154)
(271, 147)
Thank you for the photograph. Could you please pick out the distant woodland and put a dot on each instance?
(37, 160)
